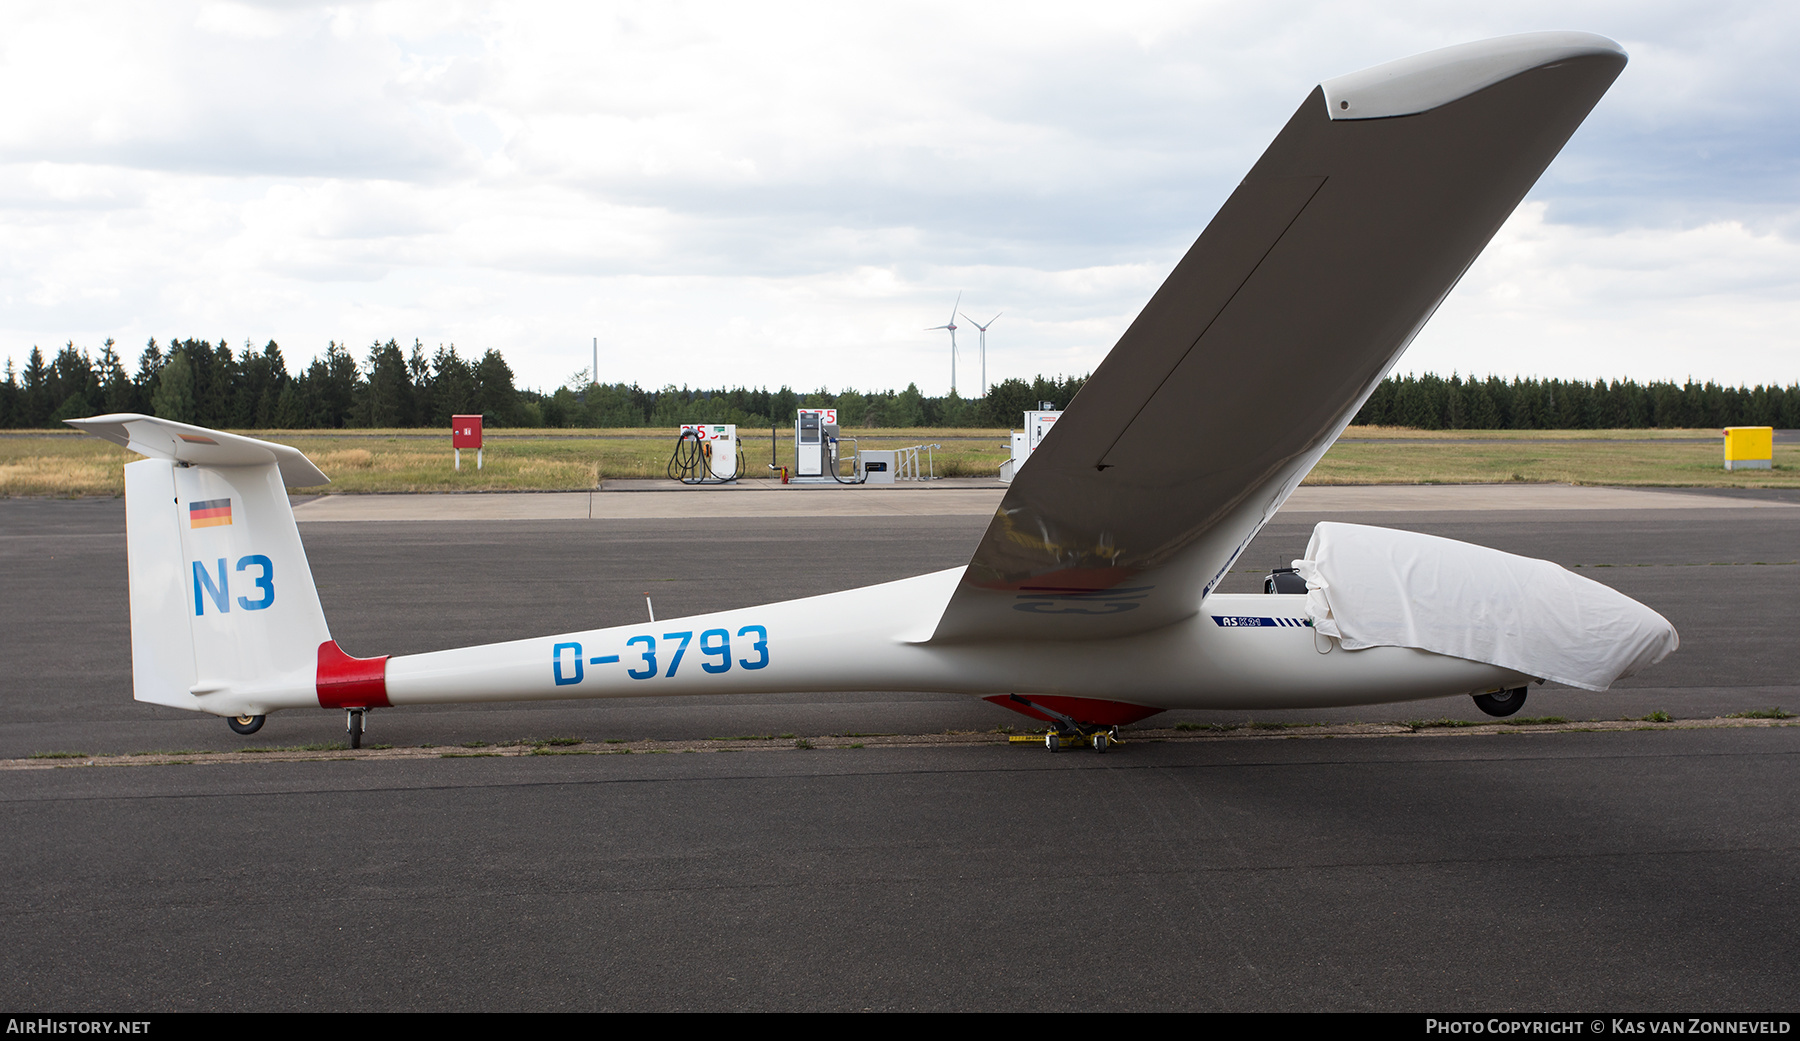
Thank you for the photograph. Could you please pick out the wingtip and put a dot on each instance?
(1422, 82)
(106, 428)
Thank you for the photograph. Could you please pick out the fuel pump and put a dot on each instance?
(706, 454)
(809, 441)
(1025, 442)
(820, 449)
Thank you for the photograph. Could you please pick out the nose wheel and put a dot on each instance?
(1501, 702)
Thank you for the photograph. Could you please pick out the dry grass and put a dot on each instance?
(568, 460)
(62, 466)
(1490, 461)
(56, 463)
(1710, 434)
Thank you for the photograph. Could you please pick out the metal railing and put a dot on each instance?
(906, 463)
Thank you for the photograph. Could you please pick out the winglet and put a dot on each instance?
(167, 439)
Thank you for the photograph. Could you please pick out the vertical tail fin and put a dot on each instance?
(224, 614)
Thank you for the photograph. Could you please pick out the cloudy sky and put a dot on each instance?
(766, 194)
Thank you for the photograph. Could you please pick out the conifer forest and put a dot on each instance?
(208, 383)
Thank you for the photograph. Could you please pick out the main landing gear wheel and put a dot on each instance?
(1501, 702)
(1100, 739)
(354, 723)
(246, 724)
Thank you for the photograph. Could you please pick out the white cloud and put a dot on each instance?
(776, 194)
(1718, 301)
(241, 20)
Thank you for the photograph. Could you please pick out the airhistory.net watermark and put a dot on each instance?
(39, 1025)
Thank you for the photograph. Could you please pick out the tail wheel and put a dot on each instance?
(1501, 702)
(246, 724)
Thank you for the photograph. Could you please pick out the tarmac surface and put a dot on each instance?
(1617, 870)
(955, 497)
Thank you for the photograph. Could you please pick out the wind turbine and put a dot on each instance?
(952, 327)
(984, 329)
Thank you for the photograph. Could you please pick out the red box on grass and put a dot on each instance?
(465, 431)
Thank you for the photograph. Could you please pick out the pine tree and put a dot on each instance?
(388, 395)
(174, 398)
(452, 387)
(494, 390)
(335, 380)
(36, 391)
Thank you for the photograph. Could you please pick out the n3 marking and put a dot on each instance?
(219, 592)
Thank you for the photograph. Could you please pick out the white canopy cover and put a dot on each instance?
(1377, 587)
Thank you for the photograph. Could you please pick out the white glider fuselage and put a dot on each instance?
(874, 639)
(1238, 651)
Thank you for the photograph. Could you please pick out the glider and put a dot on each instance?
(1090, 601)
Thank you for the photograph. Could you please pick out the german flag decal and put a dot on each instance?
(213, 513)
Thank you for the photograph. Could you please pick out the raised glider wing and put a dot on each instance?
(1089, 602)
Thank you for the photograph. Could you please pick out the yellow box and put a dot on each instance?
(1749, 448)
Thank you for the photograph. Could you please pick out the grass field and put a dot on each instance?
(69, 464)
(56, 463)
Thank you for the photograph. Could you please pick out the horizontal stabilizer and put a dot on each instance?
(167, 439)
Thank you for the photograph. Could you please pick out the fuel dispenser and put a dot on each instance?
(1025, 442)
(819, 449)
(706, 453)
(809, 441)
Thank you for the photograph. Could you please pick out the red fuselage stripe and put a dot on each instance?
(346, 682)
